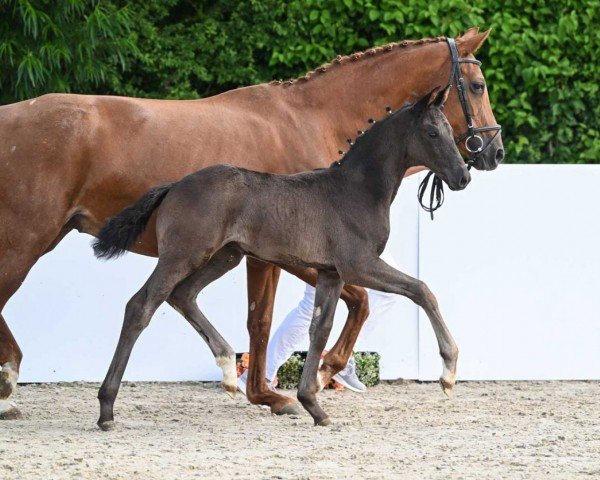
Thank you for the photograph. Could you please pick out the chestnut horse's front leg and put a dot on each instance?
(262, 284)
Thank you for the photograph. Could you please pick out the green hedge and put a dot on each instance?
(367, 369)
(540, 61)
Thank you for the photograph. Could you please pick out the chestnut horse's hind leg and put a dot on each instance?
(262, 283)
(14, 267)
(138, 313)
(183, 299)
(329, 287)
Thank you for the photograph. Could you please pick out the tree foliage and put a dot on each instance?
(61, 46)
(539, 61)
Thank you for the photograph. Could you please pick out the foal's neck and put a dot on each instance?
(377, 162)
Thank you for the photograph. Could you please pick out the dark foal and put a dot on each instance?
(335, 220)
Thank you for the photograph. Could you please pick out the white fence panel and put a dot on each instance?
(515, 263)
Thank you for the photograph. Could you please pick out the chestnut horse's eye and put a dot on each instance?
(432, 132)
(477, 87)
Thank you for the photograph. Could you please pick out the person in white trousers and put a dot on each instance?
(294, 330)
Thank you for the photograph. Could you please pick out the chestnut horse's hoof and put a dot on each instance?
(289, 409)
(9, 411)
(107, 426)
(324, 422)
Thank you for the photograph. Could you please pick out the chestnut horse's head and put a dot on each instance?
(469, 102)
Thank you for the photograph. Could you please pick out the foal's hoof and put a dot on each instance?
(447, 387)
(9, 411)
(289, 409)
(230, 390)
(325, 422)
(107, 426)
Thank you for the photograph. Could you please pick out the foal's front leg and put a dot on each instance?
(329, 286)
(376, 274)
(357, 301)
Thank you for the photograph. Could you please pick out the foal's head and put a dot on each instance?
(431, 142)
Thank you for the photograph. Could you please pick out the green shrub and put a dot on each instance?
(367, 369)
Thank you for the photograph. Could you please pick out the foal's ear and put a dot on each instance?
(425, 101)
(441, 97)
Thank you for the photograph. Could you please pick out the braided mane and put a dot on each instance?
(344, 59)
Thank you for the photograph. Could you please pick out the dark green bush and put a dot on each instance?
(367, 369)
(540, 61)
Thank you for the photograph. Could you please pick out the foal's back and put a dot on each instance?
(277, 218)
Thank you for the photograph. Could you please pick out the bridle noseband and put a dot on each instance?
(474, 143)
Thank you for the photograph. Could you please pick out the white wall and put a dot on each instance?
(515, 263)
(513, 260)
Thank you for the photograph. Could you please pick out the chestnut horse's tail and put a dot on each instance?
(121, 231)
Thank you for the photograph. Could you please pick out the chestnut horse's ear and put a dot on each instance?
(471, 41)
(425, 101)
(441, 97)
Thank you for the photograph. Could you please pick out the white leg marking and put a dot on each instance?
(227, 364)
(448, 376)
(252, 306)
(317, 311)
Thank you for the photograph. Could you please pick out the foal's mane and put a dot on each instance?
(365, 134)
(341, 60)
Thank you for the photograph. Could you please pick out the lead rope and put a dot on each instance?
(437, 193)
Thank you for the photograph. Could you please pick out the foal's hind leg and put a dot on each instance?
(138, 313)
(376, 274)
(327, 295)
(183, 299)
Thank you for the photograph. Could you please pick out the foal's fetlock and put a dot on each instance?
(227, 364)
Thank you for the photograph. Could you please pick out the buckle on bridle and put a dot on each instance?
(472, 148)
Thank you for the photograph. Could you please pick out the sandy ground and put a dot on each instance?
(407, 430)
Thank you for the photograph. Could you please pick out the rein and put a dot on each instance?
(474, 142)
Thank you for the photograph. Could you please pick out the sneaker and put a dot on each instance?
(242, 379)
(348, 378)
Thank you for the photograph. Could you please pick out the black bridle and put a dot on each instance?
(474, 143)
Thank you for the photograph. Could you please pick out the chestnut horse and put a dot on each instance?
(72, 161)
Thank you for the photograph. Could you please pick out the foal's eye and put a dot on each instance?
(432, 132)
(477, 87)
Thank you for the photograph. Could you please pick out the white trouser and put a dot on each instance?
(294, 329)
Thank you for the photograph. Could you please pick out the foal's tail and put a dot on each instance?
(121, 231)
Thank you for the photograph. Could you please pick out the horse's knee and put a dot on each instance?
(423, 296)
(135, 318)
